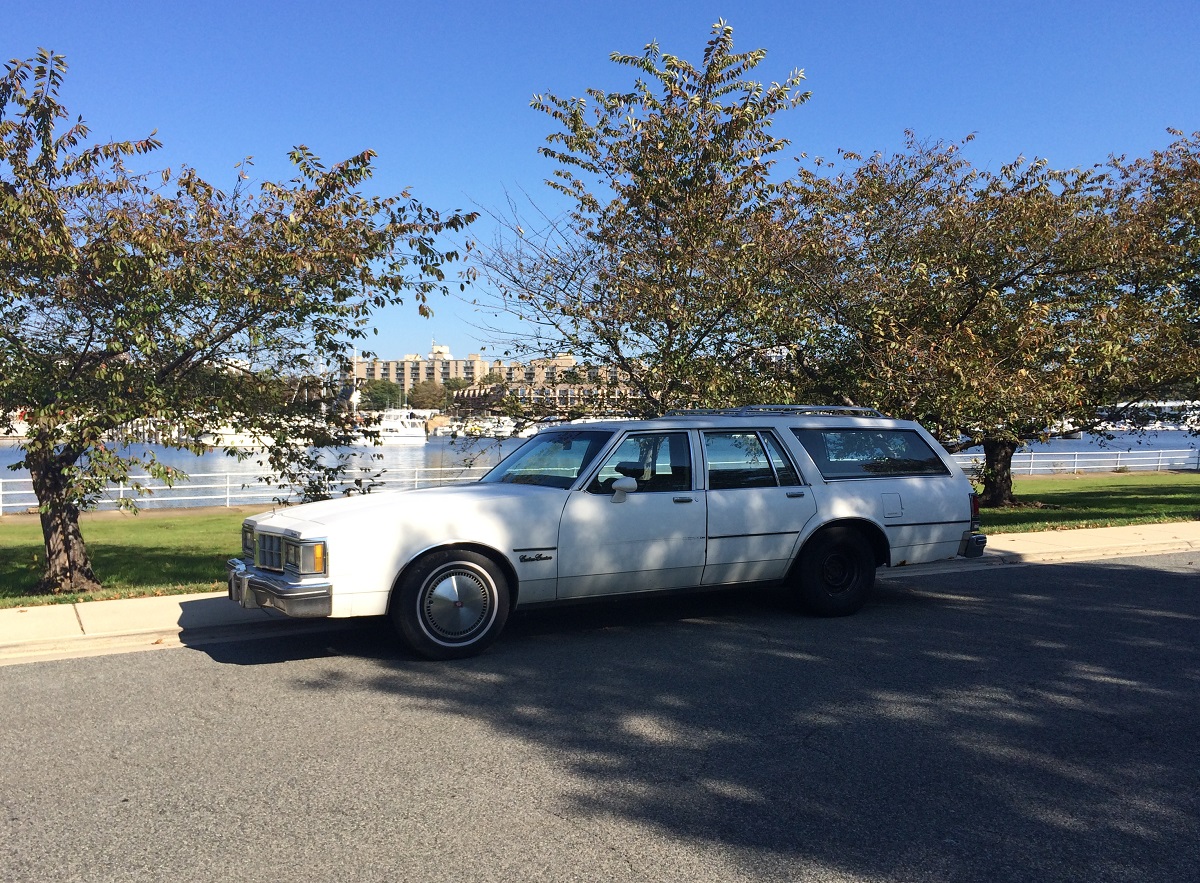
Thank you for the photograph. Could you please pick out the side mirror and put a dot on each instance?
(622, 487)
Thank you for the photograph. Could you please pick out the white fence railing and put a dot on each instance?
(1050, 462)
(244, 489)
(229, 488)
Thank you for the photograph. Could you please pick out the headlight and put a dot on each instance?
(305, 558)
(248, 540)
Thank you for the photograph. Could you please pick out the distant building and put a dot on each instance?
(557, 382)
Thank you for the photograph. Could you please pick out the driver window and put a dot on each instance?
(659, 461)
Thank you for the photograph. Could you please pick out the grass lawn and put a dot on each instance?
(167, 552)
(157, 552)
(1104, 499)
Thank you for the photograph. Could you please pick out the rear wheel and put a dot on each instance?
(451, 604)
(836, 573)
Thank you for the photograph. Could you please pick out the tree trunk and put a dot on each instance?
(68, 565)
(997, 473)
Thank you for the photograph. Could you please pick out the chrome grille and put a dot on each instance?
(270, 552)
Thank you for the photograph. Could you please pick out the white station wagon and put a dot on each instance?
(813, 497)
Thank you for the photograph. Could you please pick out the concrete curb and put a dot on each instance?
(1164, 548)
(81, 646)
(991, 559)
(31, 634)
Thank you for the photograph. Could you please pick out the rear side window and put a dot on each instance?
(787, 474)
(870, 453)
(746, 460)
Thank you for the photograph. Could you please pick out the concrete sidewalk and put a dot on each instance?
(31, 634)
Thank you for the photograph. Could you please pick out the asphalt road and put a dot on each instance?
(1019, 723)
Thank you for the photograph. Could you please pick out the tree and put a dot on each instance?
(1165, 192)
(992, 307)
(453, 386)
(378, 395)
(427, 395)
(664, 263)
(126, 297)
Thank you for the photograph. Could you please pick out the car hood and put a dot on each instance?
(448, 503)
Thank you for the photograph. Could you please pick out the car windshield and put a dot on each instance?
(551, 459)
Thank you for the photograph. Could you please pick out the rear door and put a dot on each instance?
(894, 477)
(757, 506)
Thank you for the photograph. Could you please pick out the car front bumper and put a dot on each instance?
(253, 588)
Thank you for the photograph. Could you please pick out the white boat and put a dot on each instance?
(16, 434)
(228, 437)
(532, 429)
(398, 427)
(491, 427)
(537, 426)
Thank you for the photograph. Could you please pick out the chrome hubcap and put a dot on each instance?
(457, 604)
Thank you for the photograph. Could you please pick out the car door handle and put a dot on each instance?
(794, 494)
(684, 499)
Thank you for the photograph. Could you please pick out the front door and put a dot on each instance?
(654, 538)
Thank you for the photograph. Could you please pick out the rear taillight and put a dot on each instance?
(976, 523)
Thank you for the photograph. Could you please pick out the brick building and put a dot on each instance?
(556, 382)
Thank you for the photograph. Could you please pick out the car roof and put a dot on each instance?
(800, 416)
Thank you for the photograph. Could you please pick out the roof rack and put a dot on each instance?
(760, 410)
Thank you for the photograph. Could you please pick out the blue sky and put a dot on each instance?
(441, 90)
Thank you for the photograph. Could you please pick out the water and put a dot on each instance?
(437, 453)
(1164, 440)
(217, 479)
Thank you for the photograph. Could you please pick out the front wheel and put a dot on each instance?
(451, 605)
(835, 573)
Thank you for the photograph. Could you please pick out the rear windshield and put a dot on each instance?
(550, 459)
(870, 453)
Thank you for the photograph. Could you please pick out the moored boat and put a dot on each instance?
(397, 427)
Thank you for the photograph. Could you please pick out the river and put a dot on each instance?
(216, 478)
(1162, 440)
(436, 453)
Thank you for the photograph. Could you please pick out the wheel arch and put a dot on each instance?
(497, 557)
(870, 530)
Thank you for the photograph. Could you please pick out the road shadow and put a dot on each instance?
(278, 639)
(285, 640)
(1001, 724)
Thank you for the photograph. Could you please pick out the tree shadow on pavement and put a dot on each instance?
(1003, 724)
